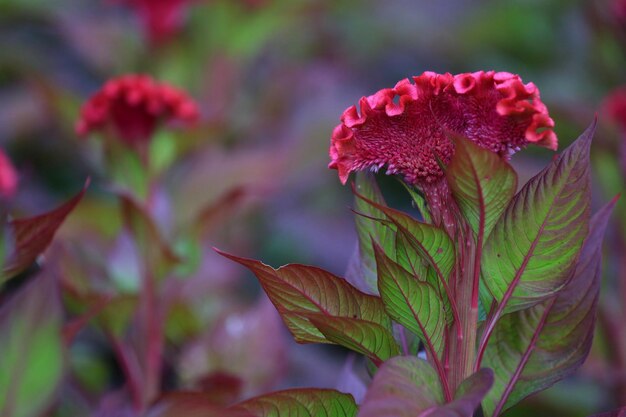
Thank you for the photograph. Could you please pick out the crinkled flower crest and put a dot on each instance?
(404, 128)
(133, 106)
(8, 177)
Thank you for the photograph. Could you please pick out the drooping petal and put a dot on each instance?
(404, 128)
(8, 177)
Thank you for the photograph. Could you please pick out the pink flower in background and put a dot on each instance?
(404, 128)
(615, 107)
(133, 106)
(8, 177)
(162, 19)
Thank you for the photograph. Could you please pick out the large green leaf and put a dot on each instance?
(407, 386)
(365, 337)
(412, 302)
(31, 236)
(301, 403)
(534, 348)
(482, 184)
(299, 290)
(368, 229)
(31, 346)
(532, 249)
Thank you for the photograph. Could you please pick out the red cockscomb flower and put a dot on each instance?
(133, 106)
(404, 128)
(8, 177)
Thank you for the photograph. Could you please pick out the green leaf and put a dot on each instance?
(404, 386)
(369, 229)
(301, 403)
(365, 337)
(433, 244)
(31, 236)
(534, 348)
(299, 290)
(412, 302)
(32, 359)
(532, 249)
(482, 183)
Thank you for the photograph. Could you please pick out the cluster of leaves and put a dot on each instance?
(537, 256)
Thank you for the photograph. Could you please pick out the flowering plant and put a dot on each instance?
(491, 295)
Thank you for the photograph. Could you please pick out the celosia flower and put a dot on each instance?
(132, 106)
(162, 19)
(8, 177)
(404, 128)
(615, 107)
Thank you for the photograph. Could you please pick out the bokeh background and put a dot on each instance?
(271, 78)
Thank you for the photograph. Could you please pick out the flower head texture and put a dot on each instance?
(8, 177)
(133, 106)
(404, 128)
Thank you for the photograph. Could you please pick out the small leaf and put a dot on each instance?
(404, 386)
(299, 290)
(534, 348)
(468, 396)
(411, 302)
(300, 403)
(433, 244)
(147, 236)
(369, 229)
(367, 338)
(482, 183)
(32, 357)
(33, 235)
(532, 250)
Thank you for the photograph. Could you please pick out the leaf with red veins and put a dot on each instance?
(412, 302)
(300, 403)
(534, 348)
(299, 290)
(361, 336)
(532, 249)
(33, 235)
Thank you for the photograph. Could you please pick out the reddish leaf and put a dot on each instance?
(300, 403)
(33, 235)
(299, 290)
(534, 348)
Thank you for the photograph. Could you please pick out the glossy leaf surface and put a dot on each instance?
(532, 250)
(300, 403)
(299, 290)
(534, 348)
(412, 302)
